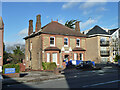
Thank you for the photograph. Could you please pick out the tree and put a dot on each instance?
(70, 23)
(18, 54)
(5, 55)
(15, 53)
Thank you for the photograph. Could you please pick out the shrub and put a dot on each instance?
(49, 65)
(16, 66)
(117, 57)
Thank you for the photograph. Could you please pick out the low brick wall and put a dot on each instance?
(22, 67)
(11, 75)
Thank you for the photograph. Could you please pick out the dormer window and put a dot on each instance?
(52, 41)
(77, 42)
(65, 42)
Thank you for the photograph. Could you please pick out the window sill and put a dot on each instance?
(52, 45)
(77, 46)
(65, 45)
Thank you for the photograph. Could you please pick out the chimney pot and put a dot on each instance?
(77, 27)
(38, 23)
(30, 30)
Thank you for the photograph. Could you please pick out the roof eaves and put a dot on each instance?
(63, 34)
(98, 35)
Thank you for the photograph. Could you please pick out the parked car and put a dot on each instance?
(85, 65)
(1, 77)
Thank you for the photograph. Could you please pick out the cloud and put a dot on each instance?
(87, 12)
(88, 23)
(92, 3)
(69, 5)
(62, 21)
(23, 32)
(47, 17)
(12, 43)
(100, 9)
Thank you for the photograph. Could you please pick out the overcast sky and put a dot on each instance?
(16, 16)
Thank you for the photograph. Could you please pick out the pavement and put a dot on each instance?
(70, 78)
(32, 76)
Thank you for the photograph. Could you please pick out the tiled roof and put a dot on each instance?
(78, 49)
(112, 31)
(56, 28)
(97, 30)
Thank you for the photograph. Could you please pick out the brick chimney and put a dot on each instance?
(77, 27)
(38, 23)
(1, 23)
(30, 30)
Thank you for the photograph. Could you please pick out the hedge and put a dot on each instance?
(49, 65)
(16, 66)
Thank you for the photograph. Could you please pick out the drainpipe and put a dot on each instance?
(30, 64)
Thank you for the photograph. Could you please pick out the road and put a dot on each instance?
(108, 77)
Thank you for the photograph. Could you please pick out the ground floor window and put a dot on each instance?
(75, 56)
(54, 57)
(48, 57)
(104, 59)
(81, 56)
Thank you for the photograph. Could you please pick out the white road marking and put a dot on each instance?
(75, 76)
(101, 83)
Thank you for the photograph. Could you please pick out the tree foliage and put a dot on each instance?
(14, 54)
(70, 23)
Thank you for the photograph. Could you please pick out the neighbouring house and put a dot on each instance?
(53, 42)
(1, 43)
(98, 45)
(114, 42)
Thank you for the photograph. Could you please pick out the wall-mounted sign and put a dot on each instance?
(9, 70)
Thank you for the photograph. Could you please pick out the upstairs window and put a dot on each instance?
(52, 41)
(65, 41)
(77, 42)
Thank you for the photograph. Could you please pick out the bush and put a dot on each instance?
(117, 57)
(16, 66)
(49, 65)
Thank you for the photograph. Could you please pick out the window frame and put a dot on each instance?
(64, 42)
(76, 42)
(48, 59)
(54, 41)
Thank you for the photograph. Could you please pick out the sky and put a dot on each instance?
(16, 16)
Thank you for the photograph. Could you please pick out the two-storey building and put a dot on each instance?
(53, 42)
